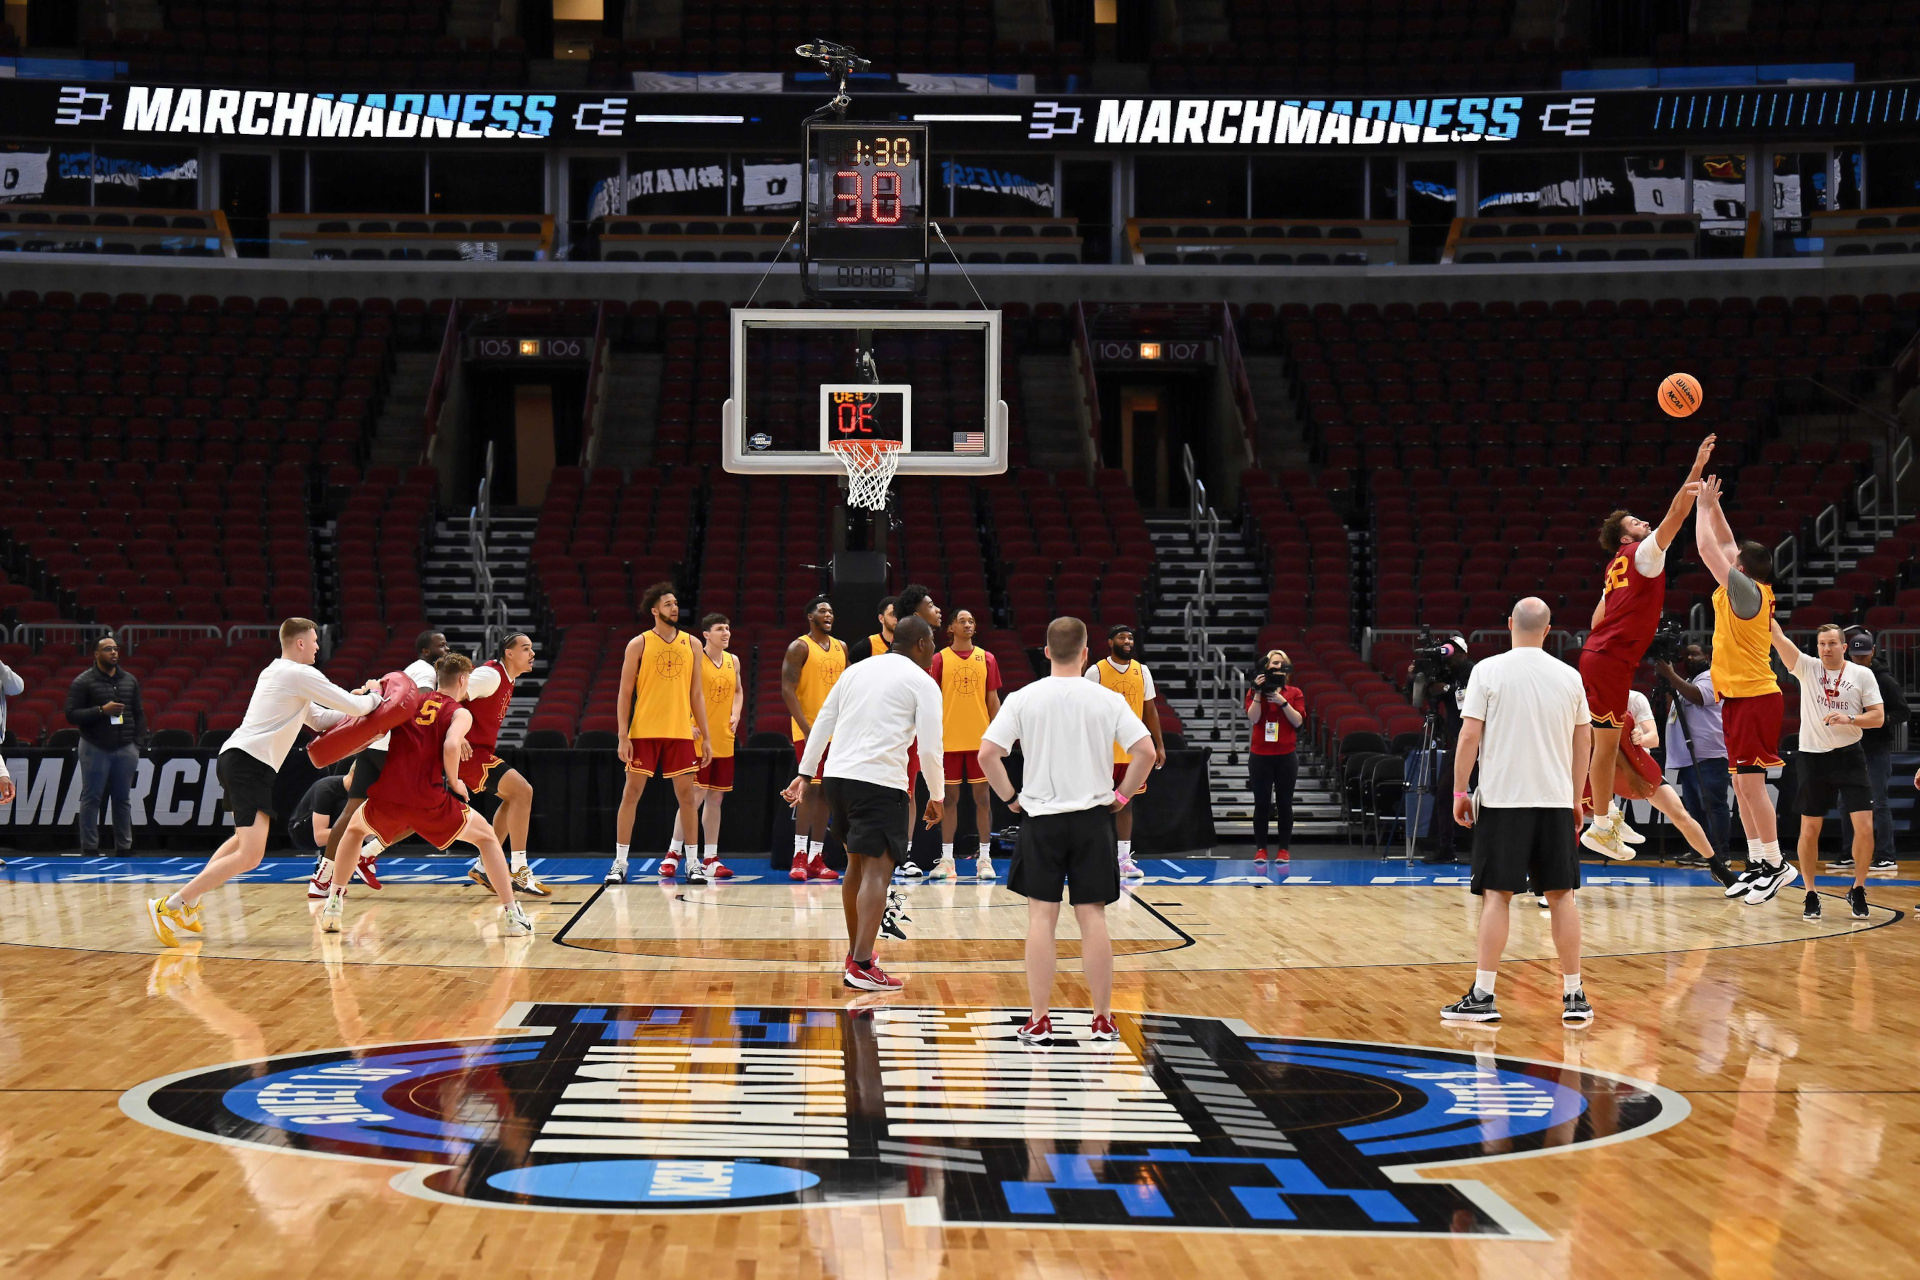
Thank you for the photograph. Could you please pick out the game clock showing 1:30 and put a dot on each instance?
(866, 226)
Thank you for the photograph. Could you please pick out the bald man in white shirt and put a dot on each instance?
(290, 695)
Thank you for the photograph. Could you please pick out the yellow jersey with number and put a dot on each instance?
(663, 688)
(1130, 684)
(1743, 648)
(718, 684)
(963, 690)
(817, 678)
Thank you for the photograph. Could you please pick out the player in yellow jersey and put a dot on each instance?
(812, 666)
(659, 685)
(720, 685)
(969, 680)
(1751, 709)
(882, 640)
(1132, 681)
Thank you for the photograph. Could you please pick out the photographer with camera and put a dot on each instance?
(1440, 672)
(1276, 709)
(1696, 739)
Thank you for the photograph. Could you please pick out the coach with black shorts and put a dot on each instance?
(874, 712)
(1525, 719)
(1067, 726)
(1838, 701)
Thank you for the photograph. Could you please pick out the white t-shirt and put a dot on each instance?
(1639, 710)
(421, 672)
(1649, 557)
(288, 695)
(1066, 729)
(874, 712)
(1850, 691)
(1530, 703)
(483, 683)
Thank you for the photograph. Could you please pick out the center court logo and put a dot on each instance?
(1186, 1123)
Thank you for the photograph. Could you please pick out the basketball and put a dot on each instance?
(1680, 394)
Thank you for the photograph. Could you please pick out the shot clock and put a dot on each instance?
(866, 210)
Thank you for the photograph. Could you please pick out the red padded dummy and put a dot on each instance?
(398, 695)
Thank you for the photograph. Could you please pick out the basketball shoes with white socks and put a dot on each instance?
(368, 869)
(1609, 835)
(524, 881)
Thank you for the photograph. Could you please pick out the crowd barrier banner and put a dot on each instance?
(176, 804)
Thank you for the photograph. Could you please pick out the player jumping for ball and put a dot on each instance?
(1631, 597)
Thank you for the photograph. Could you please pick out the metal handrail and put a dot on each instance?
(1089, 385)
(134, 632)
(479, 525)
(1242, 385)
(37, 635)
(1899, 463)
(442, 384)
(1786, 562)
(596, 391)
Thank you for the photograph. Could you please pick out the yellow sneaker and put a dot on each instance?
(190, 918)
(165, 920)
(524, 881)
(478, 875)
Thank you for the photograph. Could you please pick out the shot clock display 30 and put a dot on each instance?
(866, 223)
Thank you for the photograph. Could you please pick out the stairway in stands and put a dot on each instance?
(1236, 611)
(453, 603)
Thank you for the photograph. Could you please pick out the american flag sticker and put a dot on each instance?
(969, 442)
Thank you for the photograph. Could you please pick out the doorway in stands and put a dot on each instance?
(533, 421)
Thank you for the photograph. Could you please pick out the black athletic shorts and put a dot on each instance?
(366, 771)
(1518, 849)
(1056, 850)
(873, 821)
(248, 784)
(1827, 776)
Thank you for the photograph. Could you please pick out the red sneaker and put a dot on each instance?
(318, 888)
(869, 977)
(718, 870)
(1282, 856)
(1103, 1029)
(1036, 1031)
(819, 870)
(1259, 855)
(799, 871)
(369, 870)
(669, 867)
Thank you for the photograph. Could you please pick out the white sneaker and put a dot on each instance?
(334, 914)
(1540, 900)
(696, 871)
(514, 922)
(617, 873)
(1627, 833)
(943, 870)
(983, 867)
(1606, 841)
(1771, 881)
(909, 871)
(1130, 870)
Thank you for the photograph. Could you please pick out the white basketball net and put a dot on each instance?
(870, 466)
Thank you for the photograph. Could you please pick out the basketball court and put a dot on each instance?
(668, 1072)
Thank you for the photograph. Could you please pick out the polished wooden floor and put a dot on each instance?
(1796, 1047)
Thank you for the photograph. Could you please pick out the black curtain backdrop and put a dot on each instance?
(575, 794)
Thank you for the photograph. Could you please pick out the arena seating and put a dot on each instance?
(1266, 242)
(1854, 233)
(1067, 547)
(188, 687)
(46, 228)
(380, 540)
(362, 237)
(1572, 239)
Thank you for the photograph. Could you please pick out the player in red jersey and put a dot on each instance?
(489, 692)
(419, 790)
(1631, 597)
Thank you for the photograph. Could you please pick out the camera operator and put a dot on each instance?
(1440, 672)
(1697, 741)
(1276, 709)
(1877, 742)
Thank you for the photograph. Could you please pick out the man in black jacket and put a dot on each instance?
(1878, 744)
(104, 704)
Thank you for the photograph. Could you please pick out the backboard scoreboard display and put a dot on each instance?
(866, 209)
(851, 411)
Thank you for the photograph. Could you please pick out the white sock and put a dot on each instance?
(1770, 852)
(619, 853)
(1569, 983)
(675, 847)
(337, 891)
(1601, 821)
(517, 860)
(946, 852)
(175, 902)
(799, 846)
(371, 847)
(813, 849)
(1126, 850)
(706, 853)
(1483, 980)
(1613, 812)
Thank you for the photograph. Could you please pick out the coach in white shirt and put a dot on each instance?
(1837, 700)
(1066, 726)
(1525, 712)
(289, 695)
(874, 712)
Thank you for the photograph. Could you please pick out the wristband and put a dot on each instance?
(1463, 795)
(1120, 798)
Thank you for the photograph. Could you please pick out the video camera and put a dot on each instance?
(1270, 673)
(1669, 641)
(1434, 660)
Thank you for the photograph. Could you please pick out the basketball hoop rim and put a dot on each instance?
(864, 448)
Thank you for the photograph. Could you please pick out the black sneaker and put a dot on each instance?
(1745, 880)
(1472, 1007)
(1723, 871)
(1842, 863)
(1857, 899)
(1691, 860)
(1883, 867)
(1771, 881)
(1574, 1009)
(1811, 911)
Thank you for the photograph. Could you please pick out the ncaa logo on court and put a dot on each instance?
(1185, 1123)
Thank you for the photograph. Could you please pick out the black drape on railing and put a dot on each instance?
(176, 805)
